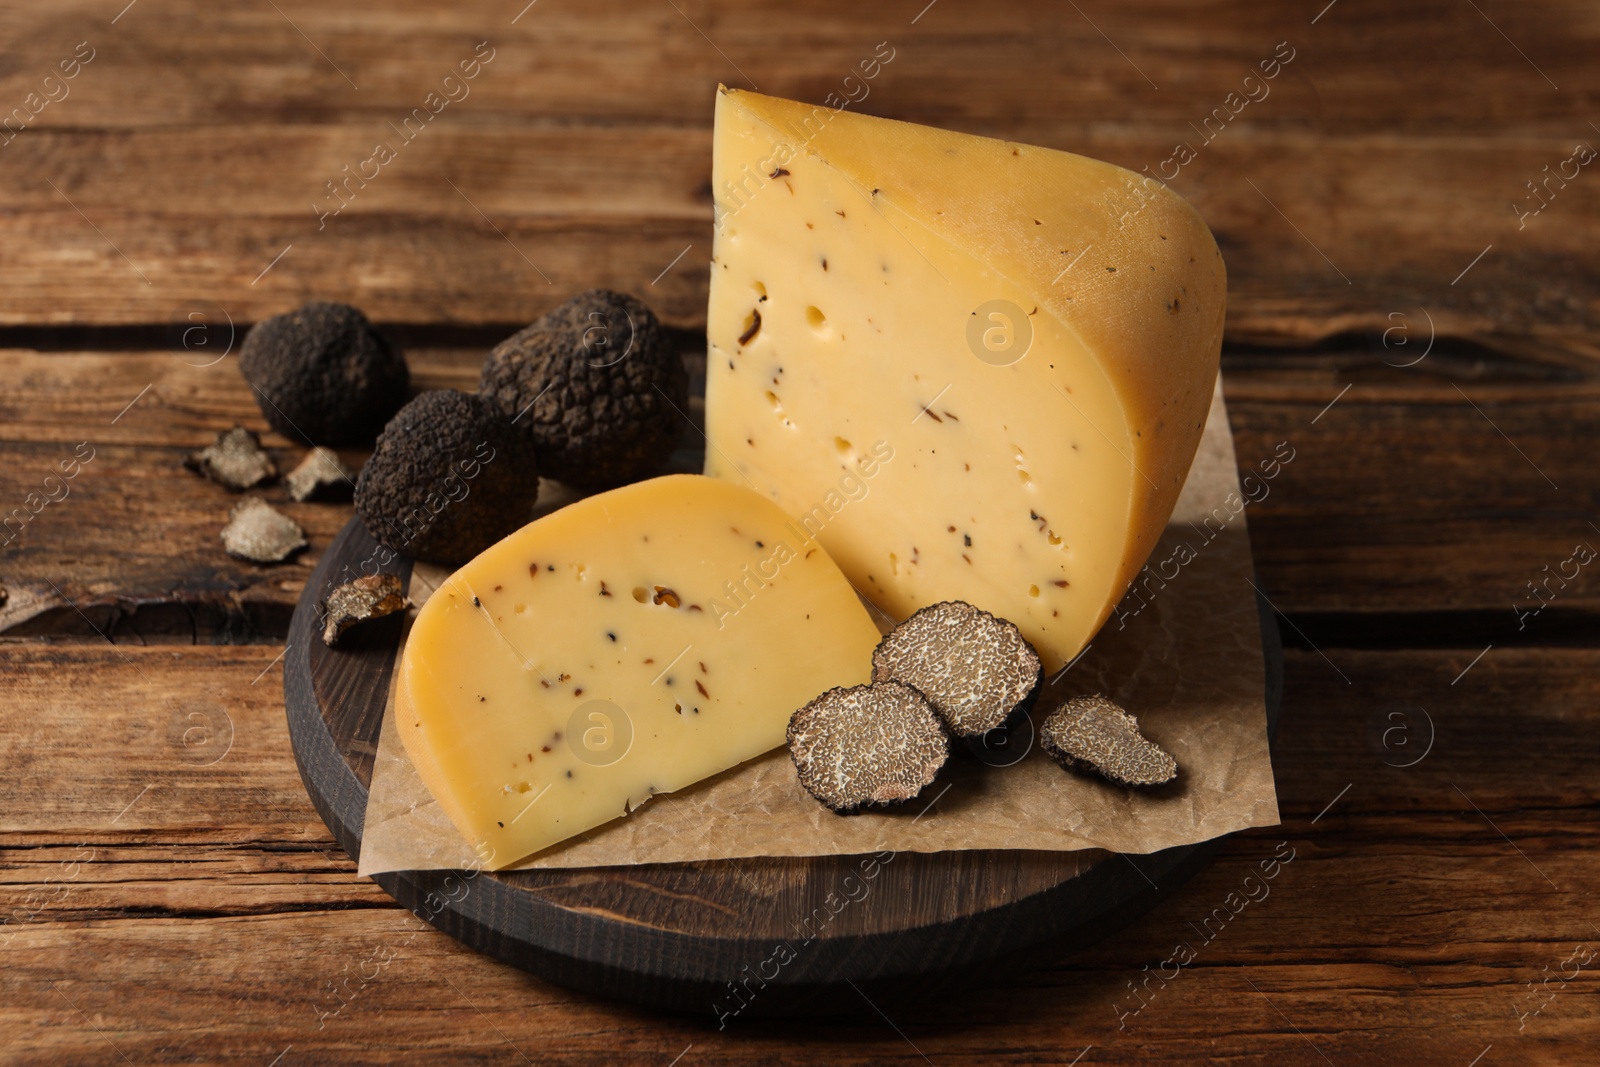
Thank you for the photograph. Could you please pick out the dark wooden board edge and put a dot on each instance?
(507, 917)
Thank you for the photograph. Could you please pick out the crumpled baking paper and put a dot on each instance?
(1184, 656)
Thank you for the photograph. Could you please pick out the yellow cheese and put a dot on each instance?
(629, 644)
(1033, 335)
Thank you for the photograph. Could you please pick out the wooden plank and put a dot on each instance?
(370, 987)
(164, 713)
(130, 745)
(1364, 942)
(131, 548)
(1448, 485)
(609, 61)
(1335, 206)
(1317, 236)
(1432, 508)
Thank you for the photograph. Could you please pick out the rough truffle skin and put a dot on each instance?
(322, 374)
(449, 478)
(866, 746)
(977, 670)
(1092, 735)
(607, 390)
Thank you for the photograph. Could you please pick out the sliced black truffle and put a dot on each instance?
(322, 374)
(320, 476)
(449, 478)
(258, 532)
(371, 596)
(1091, 735)
(235, 460)
(870, 745)
(597, 386)
(977, 671)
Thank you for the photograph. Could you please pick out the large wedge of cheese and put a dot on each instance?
(629, 644)
(1031, 335)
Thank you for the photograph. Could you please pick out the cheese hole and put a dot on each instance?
(761, 289)
(842, 445)
(816, 319)
(1026, 478)
(1053, 538)
(894, 564)
(1033, 590)
(521, 608)
(772, 398)
(640, 594)
(524, 787)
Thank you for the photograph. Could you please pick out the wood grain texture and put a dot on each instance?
(180, 939)
(1403, 498)
(1328, 195)
(217, 920)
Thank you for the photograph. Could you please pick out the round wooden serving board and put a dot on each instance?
(676, 935)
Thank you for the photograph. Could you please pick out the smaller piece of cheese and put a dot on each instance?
(632, 643)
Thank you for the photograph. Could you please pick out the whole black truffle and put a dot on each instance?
(449, 478)
(598, 387)
(322, 374)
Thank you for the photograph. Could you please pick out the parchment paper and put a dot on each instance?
(1185, 657)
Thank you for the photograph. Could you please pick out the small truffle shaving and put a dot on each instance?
(1091, 735)
(975, 669)
(320, 476)
(321, 373)
(372, 596)
(257, 532)
(448, 478)
(234, 460)
(869, 745)
(597, 385)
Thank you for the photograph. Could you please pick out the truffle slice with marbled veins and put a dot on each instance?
(976, 670)
(1092, 735)
(867, 746)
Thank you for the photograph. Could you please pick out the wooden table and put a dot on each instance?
(1426, 346)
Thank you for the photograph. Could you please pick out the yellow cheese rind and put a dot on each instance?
(632, 643)
(1033, 487)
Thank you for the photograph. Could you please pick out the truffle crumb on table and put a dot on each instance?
(372, 596)
(321, 475)
(234, 460)
(258, 532)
